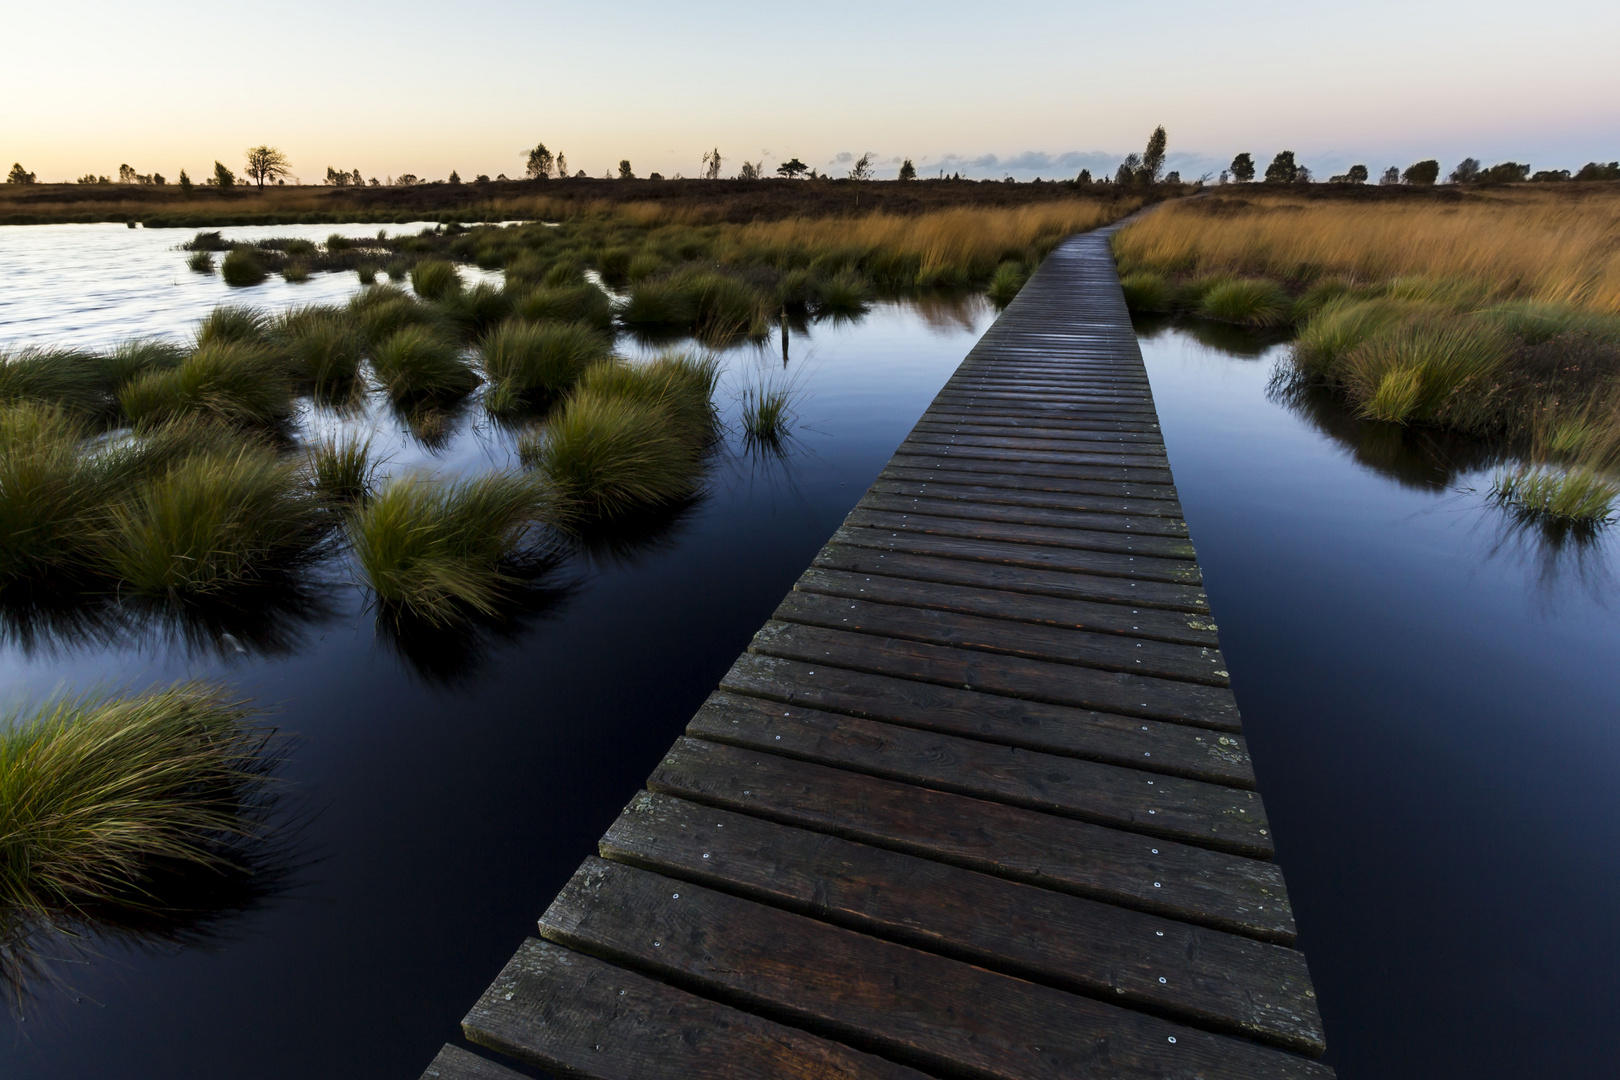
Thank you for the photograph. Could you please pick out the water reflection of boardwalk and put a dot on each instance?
(974, 803)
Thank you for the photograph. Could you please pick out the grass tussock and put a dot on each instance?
(231, 381)
(342, 469)
(418, 364)
(1249, 301)
(66, 378)
(100, 793)
(322, 346)
(528, 364)
(1577, 497)
(436, 551)
(608, 456)
(571, 303)
(242, 267)
(435, 279)
(211, 523)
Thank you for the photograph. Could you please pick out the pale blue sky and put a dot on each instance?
(425, 88)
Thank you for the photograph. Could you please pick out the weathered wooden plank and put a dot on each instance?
(454, 1063)
(1222, 981)
(1012, 553)
(1014, 419)
(1130, 466)
(1151, 623)
(1015, 676)
(1210, 815)
(1065, 584)
(1064, 645)
(980, 497)
(1112, 520)
(1152, 745)
(934, 424)
(911, 1005)
(1182, 881)
(568, 1011)
(966, 463)
(943, 472)
(1073, 449)
(1071, 536)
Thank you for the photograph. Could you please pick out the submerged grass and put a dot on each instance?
(100, 792)
(436, 551)
(1572, 497)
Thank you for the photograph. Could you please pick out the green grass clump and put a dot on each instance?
(435, 279)
(233, 323)
(528, 363)
(322, 347)
(418, 364)
(844, 293)
(436, 551)
(475, 311)
(67, 378)
(1146, 292)
(1006, 281)
(201, 262)
(383, 310)
(681, 385)
(135, 358)
(644, 265)
(1577, 496)
(242, 267)
(295, 272)
(1339, 326)
(1436, 371)
(767, 413)
(657, 303)
(212, 522)
(47, 487)
(607, 456)
(1249, 301)
(231, 381)
(575, 303)
(98, 794)
(794, 290)
(342, 469)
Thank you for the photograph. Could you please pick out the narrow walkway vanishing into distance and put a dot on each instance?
(974, 803)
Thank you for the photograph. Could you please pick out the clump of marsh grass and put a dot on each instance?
(658, 302)
(1146, 292)
(844, 293)
(437, 551)
(575, 303)
(295, 272)
(341, 468)
(101, 794)
(67, 378)
(477, 310)
(384, 310)
(1249, 301)
(212, 522)
(47, 485)
(527, 363)
(322, 347)
(768, 413)
(242, 267)
(1006, 281)
(201, 262)
(435, 279)
(1436, 372)
(235, 382)
(1341, 325)
(681, 385)
(367, 273)
(606, 457)
(133, 359)
(232, 323)
(1579, 496)
(418, 364)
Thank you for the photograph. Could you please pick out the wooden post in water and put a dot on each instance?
(784, 336)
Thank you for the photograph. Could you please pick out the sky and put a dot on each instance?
(1028, 89)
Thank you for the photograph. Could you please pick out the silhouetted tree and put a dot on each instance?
(1084, 179)
(562, 166)
(19, 175)
(908, 171)
(223, 177)
(126, 174)
(1243, 168)
(1508, 172)
(1422, 173)
(751, 170)
(1282, 169)
(625, 172)
(1550, 176)
(862, 169)
(266, 163)
(540, 162)
(1391, 177)
(1596, 170)
(1153, 156)
(455, 177)
(1466, 172)
(185, 183)
(1172, 177)
(792, 169)
(1128, 169)
(711, 164)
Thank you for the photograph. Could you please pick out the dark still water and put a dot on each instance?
(1429, 695)
(1432, 703)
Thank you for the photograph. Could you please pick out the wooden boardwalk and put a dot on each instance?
(975, 803)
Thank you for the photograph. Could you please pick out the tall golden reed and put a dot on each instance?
(1535, 243)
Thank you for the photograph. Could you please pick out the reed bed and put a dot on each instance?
(1493, 313)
